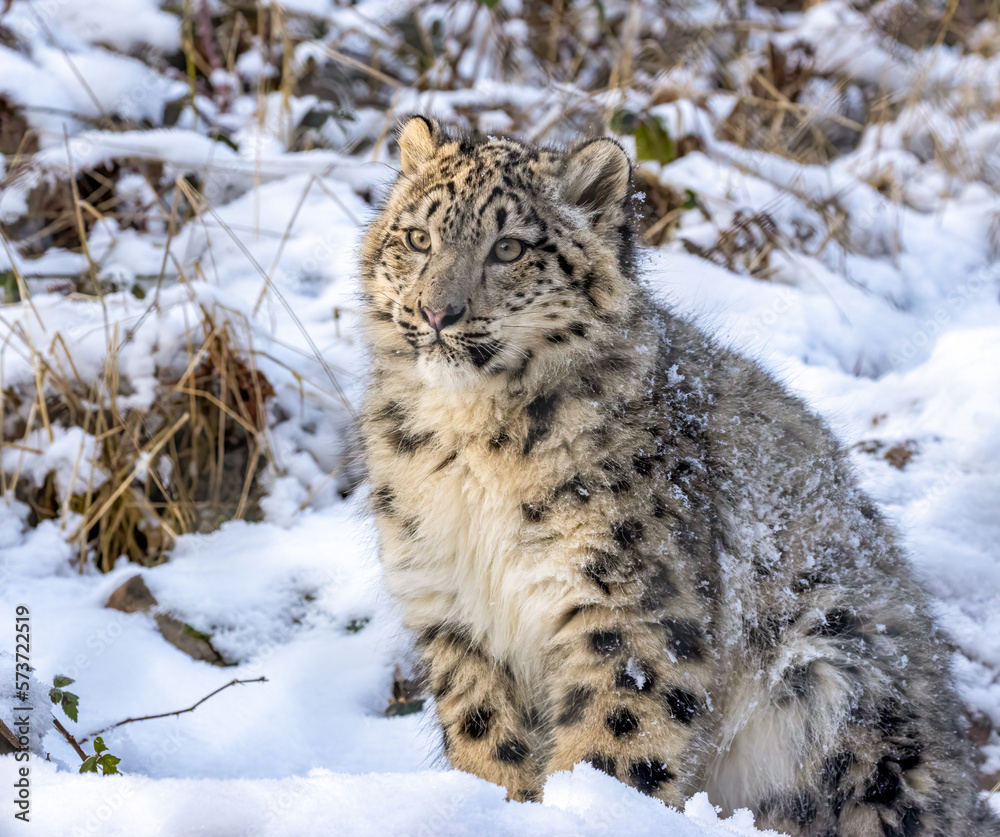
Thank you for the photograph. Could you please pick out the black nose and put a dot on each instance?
(440, 320)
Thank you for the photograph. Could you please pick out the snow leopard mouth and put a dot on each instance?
(461, 350)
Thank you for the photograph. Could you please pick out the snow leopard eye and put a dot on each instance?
(507, 250)
(418, 240)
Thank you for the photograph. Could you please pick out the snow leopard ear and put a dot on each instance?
(598, 178)
(418, 140)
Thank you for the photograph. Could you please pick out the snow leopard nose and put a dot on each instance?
(440, 320)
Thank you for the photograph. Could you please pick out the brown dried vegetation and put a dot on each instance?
(187, 463)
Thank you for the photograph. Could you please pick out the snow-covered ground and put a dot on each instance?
(890, 330)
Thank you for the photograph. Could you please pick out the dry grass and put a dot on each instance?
(192, 459)
(188, 463)
(17, 140)
(52, 218)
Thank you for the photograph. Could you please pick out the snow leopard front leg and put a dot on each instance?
(630, 696)
(489, 729)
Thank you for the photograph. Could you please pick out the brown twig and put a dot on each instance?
(179, 711)
(69, 737)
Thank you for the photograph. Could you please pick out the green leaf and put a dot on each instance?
(489, 4)
(602, 15)
(61, 680)
(190, 631)
(109, 763)
(89, 766)
(70, 704)
(55, 695)
(652, 142)
(315, 118)
(690, 200)
(99, 745)
(624, 121)
(11, 291)
(219, 136)
(137, 292)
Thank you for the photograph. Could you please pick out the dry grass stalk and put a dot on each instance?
(188, 463)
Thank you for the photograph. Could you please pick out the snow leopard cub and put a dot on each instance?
(618, 542)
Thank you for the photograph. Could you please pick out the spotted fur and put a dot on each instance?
(620, 543)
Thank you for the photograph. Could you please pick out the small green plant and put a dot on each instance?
(8, 284)
(107, 763)
(194, 632)
(652, 139)
(60, 697)
(70, 704)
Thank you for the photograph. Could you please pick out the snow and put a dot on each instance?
(418, 804)
(891, 333)
(633, 670)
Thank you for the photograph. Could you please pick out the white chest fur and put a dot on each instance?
(473, 561)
